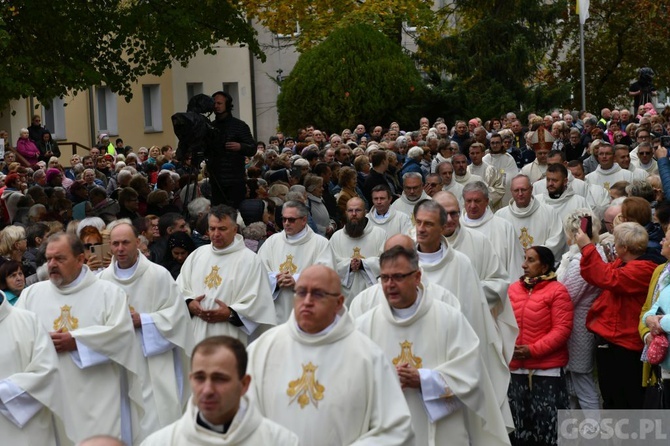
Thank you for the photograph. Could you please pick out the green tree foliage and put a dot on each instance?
(492, 58)
(618, 40)
(356, 75)
(50, 47)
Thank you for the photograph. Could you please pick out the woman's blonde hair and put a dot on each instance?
(572, 222)
(632, 236)
(8, 238)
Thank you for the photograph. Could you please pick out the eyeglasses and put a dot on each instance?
(395, 277)
(291, 219)
(642, 136)
(432, 184)
(644, 153)
(453, 214)
(316, 294)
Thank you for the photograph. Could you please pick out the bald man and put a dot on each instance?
(357, 247)
(298, 378)
(101, 440)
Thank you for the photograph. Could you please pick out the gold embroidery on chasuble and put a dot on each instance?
(306, 389)
(65, 321)
(406, 356)
(606, 185)
(525, 238)
(357, 253)
(131, 308)
(213, 279)
(288, 266)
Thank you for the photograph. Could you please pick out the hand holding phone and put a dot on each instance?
(586, 224)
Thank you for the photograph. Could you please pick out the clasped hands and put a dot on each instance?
(221, 314)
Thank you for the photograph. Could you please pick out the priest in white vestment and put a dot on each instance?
(461, 173)
(225, 284)
(162, 324)
(382, 215)
(30, 392)
(220, 412)
(534, 222)
(488, 173)
(285, 254)
(319, 377)
(622, 158)
(442, 264)
(558, 194)
(642, 157)
(412, 193)
(446, 172)
(449, 393)
(608, 172)
(506, 166)
(498, 231)
(98, 355)
(357, 247)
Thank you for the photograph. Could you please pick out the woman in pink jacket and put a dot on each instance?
(544, 313)
(27, 148)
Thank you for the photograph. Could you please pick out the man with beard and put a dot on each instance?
(286, 254)
(489, 173)
(461, 172)
(448, 391)
(357, 247)
(381, 215)
(500, 232)
(98, 357)
(608, 172)
(559, 195)
(412, 193)
(445, 266)
(534, 223)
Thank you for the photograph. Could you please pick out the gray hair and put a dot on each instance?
(303, 210)
(409, 175)
(572, 222)
(198, 206)
(415, 152)
(476, 186)
(633, 236)
(96, 222)
(313, 182)
(431, 206)
(400, 251)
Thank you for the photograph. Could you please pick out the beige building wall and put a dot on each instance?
(228, 70)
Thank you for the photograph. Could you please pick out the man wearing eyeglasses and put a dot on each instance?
(286, 254)
(357, 247)
(644, 157)
(446, 385)
(319, 377)
(412, 193)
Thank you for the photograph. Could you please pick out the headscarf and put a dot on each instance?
(181, 240)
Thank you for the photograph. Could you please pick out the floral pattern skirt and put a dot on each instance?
(535, 403)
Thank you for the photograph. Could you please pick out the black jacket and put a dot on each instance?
(226, 165)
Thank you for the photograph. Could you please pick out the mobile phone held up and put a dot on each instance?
(586, 223)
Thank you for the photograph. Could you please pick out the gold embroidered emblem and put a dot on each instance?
(131, 308)
(357, 253)
(288, 266)
(65, 321)
(306, 389)
(406, 356)
(213, 279)
(525, 238)
(606, 185)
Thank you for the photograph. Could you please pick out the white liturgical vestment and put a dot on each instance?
(281, 254)
(507, 169)
(93, 377)
(369, 298)
(468, 178)
(402, 204)
(535, 171)
(165, 339)
(248, 428)
(235, 276)
(454, 271)
(536, 224)
(334, 388)
(578, 186)
(491, 179)
(393, 222)
(29, 379)
(502, 236)
(564, 205)
(456, 398)
(368, 248)
(455, 188)
(606, 178)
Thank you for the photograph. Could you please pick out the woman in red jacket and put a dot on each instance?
(543, 311)
(615, 314)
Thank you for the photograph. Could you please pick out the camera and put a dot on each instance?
(198, 138)
(665, 141)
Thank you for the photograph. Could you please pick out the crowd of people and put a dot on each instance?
(390, 287)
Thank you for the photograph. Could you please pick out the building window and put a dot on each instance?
(192, 89)
(151, 95)
(232, 89)
(107, 115)
(53, 118)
